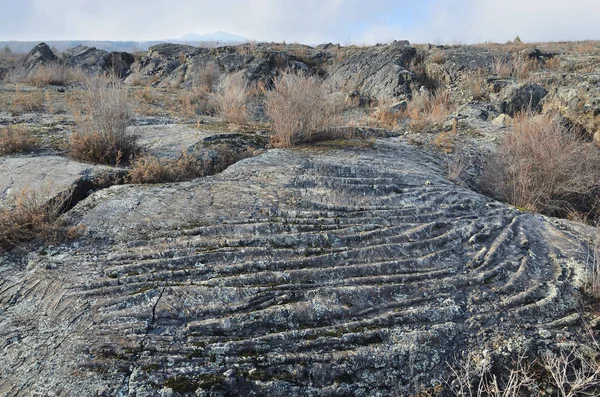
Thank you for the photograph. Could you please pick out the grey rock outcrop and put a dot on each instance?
(49, 176)
(298, 272)
(376, 72)
(95, 62)
(41, 54)
(516, 98)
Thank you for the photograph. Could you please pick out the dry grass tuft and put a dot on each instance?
(54, 74)
(191, 103)
(426, 112)
(14, 140)
(151, 169)
(102, 135)
(516, 66)
(29, 217)
(208, 76)
(231, 101)
(302, 109)
(543, 167)
(476, 84)
(27, 102)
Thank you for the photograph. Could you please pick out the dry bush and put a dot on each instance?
(446, 140)
(27, 102)
(517, 66)
(29, 217)
(191, 103)
(385, 115)
(438, 57)
(541, 166)
(426, 111)
(102, 135)
(231, 101)
(54, 74)
(572, 373)
(565, 374)
(15, 140)
(208, 76)
(553, 63)
(586, 47)
(302, 109)
(478, 380)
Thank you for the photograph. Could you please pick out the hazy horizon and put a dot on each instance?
(309, 22)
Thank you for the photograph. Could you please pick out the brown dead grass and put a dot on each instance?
(27, 102)
(15, 139)
(540, 166)
(426, 112)
(150, 169)
(54, 74)
(475, 82)
(29, 217)
(231, 101)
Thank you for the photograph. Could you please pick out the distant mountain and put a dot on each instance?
(219, 37)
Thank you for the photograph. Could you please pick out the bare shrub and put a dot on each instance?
(102, 135)
(446, 140)
(191, 103)
(54, 74)
(427, 111)
(208, 76)
(478, 380)
(517, 66)
(231, 101)
(572, 373)
(301, 109)
(541, 166)
(27, 102)
(28, 217)
(385, 115)
(14, 140)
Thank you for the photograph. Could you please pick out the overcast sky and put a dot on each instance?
(305, 21)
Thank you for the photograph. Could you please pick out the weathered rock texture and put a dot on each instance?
(376, 72)
(40, 55)
(49, 176)
(96, 62)
(296, 273)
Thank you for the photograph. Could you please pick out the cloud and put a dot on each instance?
(307, 21)
(475, 21)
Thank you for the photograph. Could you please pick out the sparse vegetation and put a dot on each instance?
(27, 102)
(426, 111)
(542, 167)
(28, 216)
(151, 169)
(15, 139)
(476, 84)
(565, 373)
(54, 74)
(102, 134)
(231, 101)
(302, 109)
